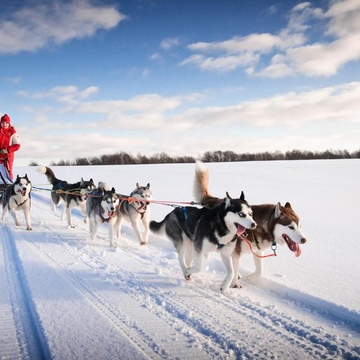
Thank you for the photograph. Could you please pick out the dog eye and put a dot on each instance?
(241, 214)
(291, 227)
(251, 214)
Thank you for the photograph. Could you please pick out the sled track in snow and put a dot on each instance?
(195, 320)
(31, 341)
(172, 309)
(301, 335)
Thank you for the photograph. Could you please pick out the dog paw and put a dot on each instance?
(236, 285)
(72, 226)
(253, 276)
(187, 277)
(143, 243)
(29, 228)
(18, 223)
(224, 290)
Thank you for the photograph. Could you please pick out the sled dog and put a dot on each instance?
(17, 197)
(70, 200)
(195, 232)
(134, 211)
(101, 208)
(275, 224)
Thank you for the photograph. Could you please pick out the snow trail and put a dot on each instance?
(94, 302)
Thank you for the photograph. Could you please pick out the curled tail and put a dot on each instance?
(158, 227)
(49, 174)
(201, 186)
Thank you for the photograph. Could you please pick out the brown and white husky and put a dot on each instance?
(275, 224)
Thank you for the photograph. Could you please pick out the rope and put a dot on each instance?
(273, 247)
(122, 197)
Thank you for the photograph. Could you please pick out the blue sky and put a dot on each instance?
(85, 78)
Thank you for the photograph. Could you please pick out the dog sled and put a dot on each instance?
(5, 179)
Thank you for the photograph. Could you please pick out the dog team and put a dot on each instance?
(221, 225)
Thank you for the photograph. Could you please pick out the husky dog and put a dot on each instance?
(134, 211)
(17, 197)
(205, 230)
(70, 200)
(276, 224)
(101, 207)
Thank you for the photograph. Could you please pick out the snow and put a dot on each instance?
(63, 296)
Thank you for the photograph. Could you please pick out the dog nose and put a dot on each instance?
(303, 240)
(112, 208)
(253, 225)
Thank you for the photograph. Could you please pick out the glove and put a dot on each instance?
(3, 151)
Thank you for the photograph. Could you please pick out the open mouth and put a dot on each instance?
(23, 193)
(239, 229)
(292, 245)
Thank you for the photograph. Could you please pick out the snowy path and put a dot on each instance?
(62, 296)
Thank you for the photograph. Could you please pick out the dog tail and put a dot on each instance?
(201, 186)
(158, 227)
(49, 174)
(103, 186)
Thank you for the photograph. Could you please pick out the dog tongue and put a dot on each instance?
(239, 230)
(295, 248)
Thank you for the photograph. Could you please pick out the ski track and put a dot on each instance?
(137, 295)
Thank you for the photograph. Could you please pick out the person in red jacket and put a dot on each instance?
(9, 143)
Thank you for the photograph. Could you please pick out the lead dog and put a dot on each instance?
(101, 208)
(136, 211)
(70, 200)
(17, 197)
(206, 230)
(275, 223)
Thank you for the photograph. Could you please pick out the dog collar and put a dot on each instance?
(103, 219)
(220, 246)
(22, 202)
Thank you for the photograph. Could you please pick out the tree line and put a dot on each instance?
(123, 158)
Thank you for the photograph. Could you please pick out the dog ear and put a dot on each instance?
(277, 210)
(227, 201)
(148, 186)
(137, 185)
(113, 190)
(242, 196)
(288, 206)
(228, 196)
(17, 178)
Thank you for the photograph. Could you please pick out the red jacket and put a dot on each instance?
(9, 140)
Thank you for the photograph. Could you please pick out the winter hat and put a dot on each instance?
(5, 118)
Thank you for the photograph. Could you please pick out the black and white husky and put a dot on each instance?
(276, 224)
(70, 200)
(101, 207)
(136, 211)
(195, 232)
(17, 197)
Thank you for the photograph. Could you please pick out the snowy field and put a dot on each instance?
(65, 297)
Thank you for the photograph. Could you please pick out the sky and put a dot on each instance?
(85, 78)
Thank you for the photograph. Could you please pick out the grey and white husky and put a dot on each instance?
(195, 232)
(276, 224)
(17, 197)
(101, 207)
(136, 211)
(70, 200)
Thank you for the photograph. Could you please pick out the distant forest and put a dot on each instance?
(123, 158)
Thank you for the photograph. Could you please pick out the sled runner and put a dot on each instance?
(5, 179)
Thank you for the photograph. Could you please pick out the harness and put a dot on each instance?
(103, 219)
(142, 209)
(220, 246)
(22, 202)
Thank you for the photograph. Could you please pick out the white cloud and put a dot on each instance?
(32, 28)
(156, 56)
(222, 64)
(67, 94)
(168, 43)
(342, 22)
(155, 123)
